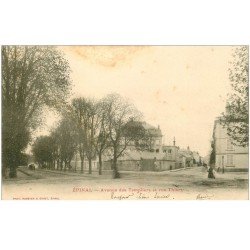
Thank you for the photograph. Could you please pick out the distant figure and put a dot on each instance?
(139, 166)
(156, 167)
(211, 173)
(31, 167)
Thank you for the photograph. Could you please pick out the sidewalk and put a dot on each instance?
(94, 174)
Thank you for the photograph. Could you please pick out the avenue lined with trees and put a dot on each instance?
(38, 77)
(88, 128)
(33, 77)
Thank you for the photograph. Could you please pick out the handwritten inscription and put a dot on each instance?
(139, 196)
(204, 197)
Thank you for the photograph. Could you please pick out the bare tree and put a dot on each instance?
(32, 77)
(85, 114)
(91, 128)
(123, 127)
(102, 135)
(78, 115)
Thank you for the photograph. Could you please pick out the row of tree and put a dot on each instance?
(38, 77)
(33, 77)
(89, 128)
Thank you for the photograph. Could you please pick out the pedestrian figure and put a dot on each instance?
(156, 168)
(211, 173)
(139, 166)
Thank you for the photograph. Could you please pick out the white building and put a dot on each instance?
(227, 155)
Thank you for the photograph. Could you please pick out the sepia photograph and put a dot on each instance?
(124, 125)
(125, 122)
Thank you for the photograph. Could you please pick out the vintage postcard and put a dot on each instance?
(125, 122)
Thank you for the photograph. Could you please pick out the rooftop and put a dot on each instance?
(152, 130)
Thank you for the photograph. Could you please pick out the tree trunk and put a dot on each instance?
(4, 175)
(90, 166)
(12, 173)
(100, 163)
(57, 164)
(65, 165)
(116, 174)
(61, 165)
(82, 156)
(69, 165)
(82, 162)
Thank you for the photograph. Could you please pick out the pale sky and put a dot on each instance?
(180, 88)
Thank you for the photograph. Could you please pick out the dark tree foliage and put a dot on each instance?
(66, 141)
(23, 160)
(32, 77)
(236, 116)
(42, 151)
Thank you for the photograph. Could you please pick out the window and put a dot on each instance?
(222, 161)
(169, 151)
(230, 160)
(230, 146)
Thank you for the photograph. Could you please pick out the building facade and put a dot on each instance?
(227, 155)
(154, 137)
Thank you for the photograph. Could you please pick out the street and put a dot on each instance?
(169, 185)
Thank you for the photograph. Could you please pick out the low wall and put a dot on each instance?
(129, 165)
(142, 165)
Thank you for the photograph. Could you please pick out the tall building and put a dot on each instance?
(155, 137)
(227, 155)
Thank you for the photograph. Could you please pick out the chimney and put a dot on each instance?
(158, 126)
(188, 148)
(174, 141)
